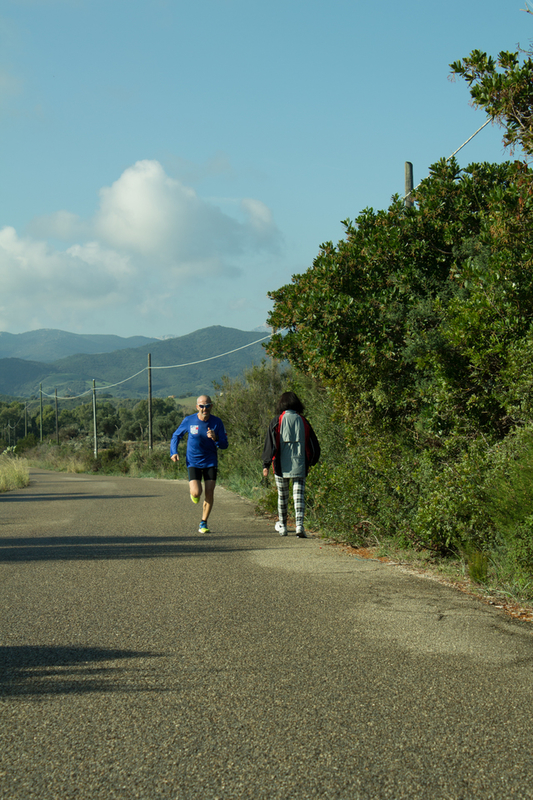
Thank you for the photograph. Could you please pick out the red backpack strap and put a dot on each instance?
(277, 433)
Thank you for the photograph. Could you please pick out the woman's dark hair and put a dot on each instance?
(289, 402)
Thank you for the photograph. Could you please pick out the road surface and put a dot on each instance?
(140, 659)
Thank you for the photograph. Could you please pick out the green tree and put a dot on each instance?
(49, 420)
(107, 419)
(68, 418)
(504, 88)
(420, 322)
(12, 420)
(409, 317)
(128, 428)
(166, 416)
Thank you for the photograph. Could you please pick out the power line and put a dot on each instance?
(470, 138)
(171, 366)
(191, 363)
(454, 153)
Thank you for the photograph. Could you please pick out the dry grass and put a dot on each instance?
(57, 460)
(14, 473)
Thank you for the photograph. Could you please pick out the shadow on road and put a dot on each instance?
(49, 670)
(100, 548)
(24, 498)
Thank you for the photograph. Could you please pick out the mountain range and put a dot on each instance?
(49, 345)
(68, 362)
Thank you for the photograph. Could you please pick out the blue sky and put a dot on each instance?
(164, 164)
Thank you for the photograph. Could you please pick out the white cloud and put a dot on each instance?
(110, 261)
(152, 217)
(35, 269)
(150, 238)
(259, 216)
(147, 213)
(143, 210)
(49, 287)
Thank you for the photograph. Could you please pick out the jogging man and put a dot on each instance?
(206, 435)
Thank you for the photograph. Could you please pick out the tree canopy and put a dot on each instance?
(410, 317)
(421, 318)
(504, 88)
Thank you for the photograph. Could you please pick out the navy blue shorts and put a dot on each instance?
(207, 473)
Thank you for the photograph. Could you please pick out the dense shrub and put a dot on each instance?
(29, 441)
(155, 462)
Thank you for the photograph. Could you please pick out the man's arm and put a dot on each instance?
(221, 440)
(176, 438)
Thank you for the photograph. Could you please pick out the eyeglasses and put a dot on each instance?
(207, 405)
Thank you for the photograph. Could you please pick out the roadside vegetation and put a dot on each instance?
(420, 324)
(411, 344)
(14, 471)
(369, 490)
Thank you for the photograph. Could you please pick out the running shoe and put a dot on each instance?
(195, 499)
(300, 533)
(281, 528)
(203, 527)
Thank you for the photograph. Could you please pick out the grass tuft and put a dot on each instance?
(14, 473)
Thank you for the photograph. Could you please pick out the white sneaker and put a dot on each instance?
(281, 528)
(300, 533)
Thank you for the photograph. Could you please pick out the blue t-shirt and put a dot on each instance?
(201, 451)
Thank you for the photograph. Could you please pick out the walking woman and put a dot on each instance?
(291, 447)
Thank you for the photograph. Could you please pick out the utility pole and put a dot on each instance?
(57, 421)
(409, 202)
(150, 433)
(41, 409)
(94, 420)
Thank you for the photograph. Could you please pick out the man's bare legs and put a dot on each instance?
(195, 488)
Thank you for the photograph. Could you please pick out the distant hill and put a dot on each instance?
(74, 374)
(48, 345)
(16, 375)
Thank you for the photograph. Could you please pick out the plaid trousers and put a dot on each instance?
(298, 496)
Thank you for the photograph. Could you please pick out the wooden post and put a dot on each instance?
(94, 421)
(57, 422)
(409, 202)
(150, 432)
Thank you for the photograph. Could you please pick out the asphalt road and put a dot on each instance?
(140, 659)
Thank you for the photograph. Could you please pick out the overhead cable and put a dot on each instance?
(171, 366)
(453, 154)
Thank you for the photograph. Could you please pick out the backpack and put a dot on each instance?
(312, 447)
